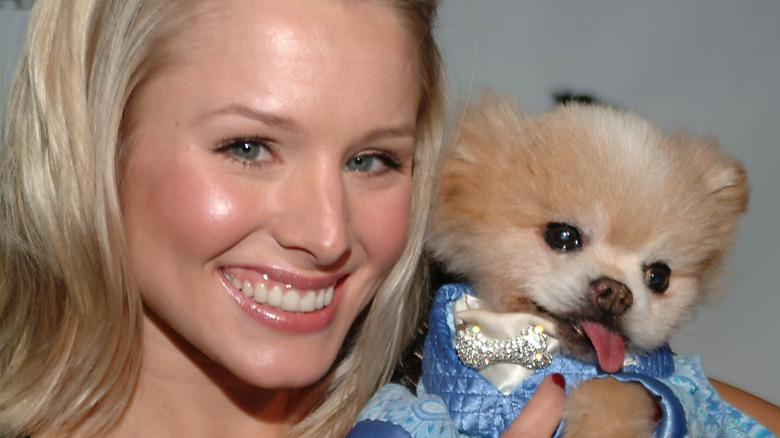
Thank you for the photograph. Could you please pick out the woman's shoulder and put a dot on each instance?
(421, 415)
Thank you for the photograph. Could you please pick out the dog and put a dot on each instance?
(596, 222)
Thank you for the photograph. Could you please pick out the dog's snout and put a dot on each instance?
(611, 297)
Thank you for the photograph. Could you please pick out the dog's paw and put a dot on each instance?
(609, 408)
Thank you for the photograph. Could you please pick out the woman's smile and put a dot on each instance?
(283, 300)
(283, 296)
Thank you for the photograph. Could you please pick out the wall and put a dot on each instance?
(13, 24)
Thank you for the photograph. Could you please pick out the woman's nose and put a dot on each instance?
(315, 215)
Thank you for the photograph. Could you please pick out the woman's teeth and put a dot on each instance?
(284, 297)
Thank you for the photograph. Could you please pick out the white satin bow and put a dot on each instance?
(529, 339)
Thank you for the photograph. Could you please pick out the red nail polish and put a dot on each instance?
(559, 380)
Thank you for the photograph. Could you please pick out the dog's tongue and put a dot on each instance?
(608, 344)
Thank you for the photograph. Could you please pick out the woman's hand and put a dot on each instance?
(541, 415)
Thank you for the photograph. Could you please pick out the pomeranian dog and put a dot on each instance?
(596, 220)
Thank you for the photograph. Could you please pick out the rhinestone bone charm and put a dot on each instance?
(477, 351)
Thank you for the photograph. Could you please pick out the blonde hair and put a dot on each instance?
(71, 329)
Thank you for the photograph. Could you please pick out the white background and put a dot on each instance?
(709, 65)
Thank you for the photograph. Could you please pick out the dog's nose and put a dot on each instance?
(611, 297)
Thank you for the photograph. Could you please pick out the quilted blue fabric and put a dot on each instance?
(479, 409)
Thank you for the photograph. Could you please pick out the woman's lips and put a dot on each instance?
(285, 301)
(283, 296)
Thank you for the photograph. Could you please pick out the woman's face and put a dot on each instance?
(276, 156)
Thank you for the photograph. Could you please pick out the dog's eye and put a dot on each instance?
(657, 277)
(562, 237)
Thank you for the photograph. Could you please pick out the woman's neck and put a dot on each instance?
(181, 392)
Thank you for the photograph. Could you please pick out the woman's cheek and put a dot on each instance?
(216, 215)
(388, 224)
(196, 210)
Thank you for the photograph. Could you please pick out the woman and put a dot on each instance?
(212, 214)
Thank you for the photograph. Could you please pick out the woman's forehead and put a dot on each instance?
(298, 63)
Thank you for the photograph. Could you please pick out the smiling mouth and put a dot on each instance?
(284, 297)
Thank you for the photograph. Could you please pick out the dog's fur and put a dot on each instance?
(638, 197)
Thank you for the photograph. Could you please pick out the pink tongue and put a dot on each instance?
(608, 345)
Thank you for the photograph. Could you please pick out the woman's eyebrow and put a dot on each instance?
(391, 132)
(264, 117)
(290, 125)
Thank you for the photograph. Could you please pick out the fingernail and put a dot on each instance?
(559, 380)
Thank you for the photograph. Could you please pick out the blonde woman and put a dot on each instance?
(212, 214)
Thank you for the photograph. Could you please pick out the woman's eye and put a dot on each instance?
(247, 151)
(371, 163)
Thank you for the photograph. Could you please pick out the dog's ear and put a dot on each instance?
(486, 128)
(723, 175)
(726, 190)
